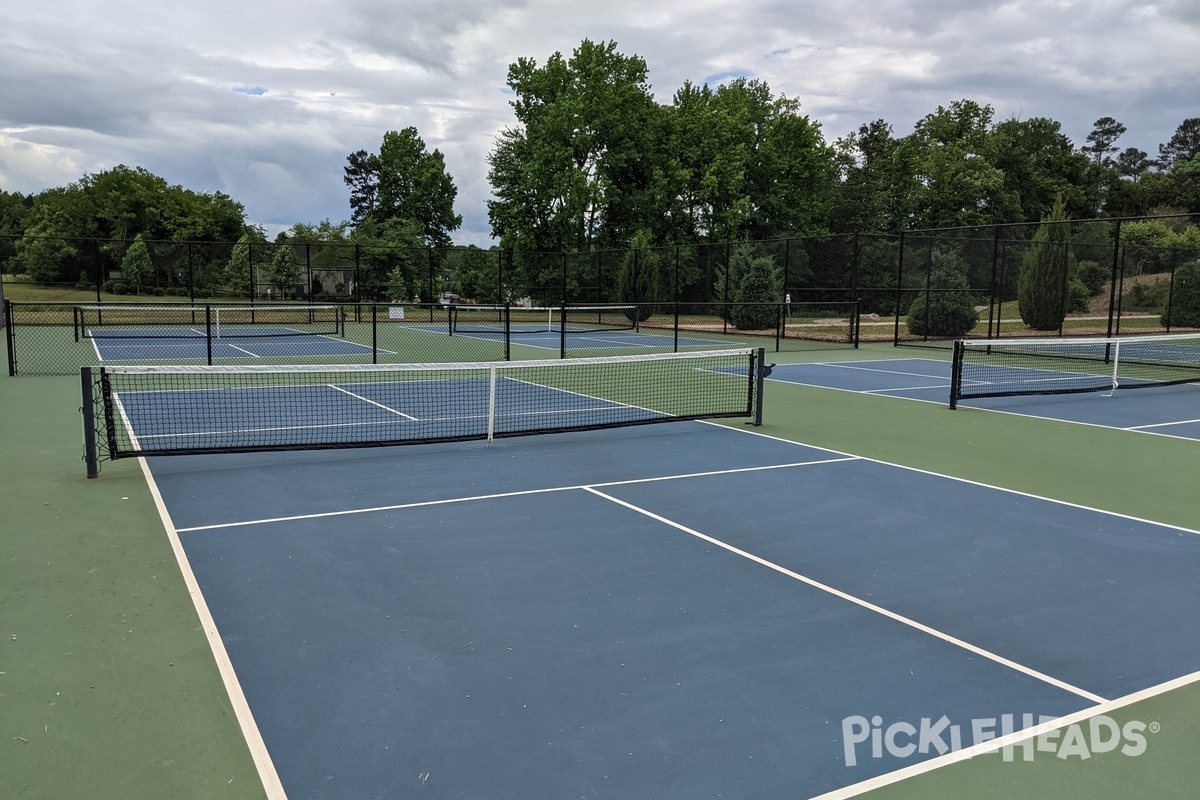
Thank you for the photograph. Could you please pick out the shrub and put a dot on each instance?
(1185, 298)
(1146, 297)
(946, 313)
(1092, 276)
(638, 277)
(757, 306)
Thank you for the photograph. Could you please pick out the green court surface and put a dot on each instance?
(108, 687)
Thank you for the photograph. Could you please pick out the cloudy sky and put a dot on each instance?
(264, 99)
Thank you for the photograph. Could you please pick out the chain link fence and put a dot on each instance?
(926, 288)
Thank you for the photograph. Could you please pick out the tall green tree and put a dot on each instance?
(957, 183)
(361, 175)
(1039, 164)
(1043, 276)
(757, 301)
(1102, 140)
(136, 266)
(640, 278)
(1184, 144)
(403, 182)
(744, 163)
(44, 252)
(875, 181)
(240, 271)
(284, 272)
(570, 174)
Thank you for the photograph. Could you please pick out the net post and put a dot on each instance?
(491, 416)
(208, 332)
(88, 410)
(374, 334)
(507, 332)
(1116, 362)
(956, 373)
(760, 380)
(9, 336)
(855, 320)
(562, 332)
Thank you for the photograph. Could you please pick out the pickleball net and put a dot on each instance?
(1029, 366)
(508, 319)
(179, 410)
(174, 321)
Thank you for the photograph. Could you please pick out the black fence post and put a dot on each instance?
(1112, 287)
(899, 291)
(994, 310)
(9, 338)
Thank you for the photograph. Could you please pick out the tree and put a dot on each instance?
(384, 248)
(1184, 144)
(1039, 163)
(403, 182)
(238, 275)
(1042, 279)
(362, 176)
(1184, 311)
(1132, 163)
(875, 181)
(639, 278)
(757, 305)
(956, 182)
(43, 252)
(414, 186)
(284, 272)
(949, 311)
(1105, 132)
(136, 266)
(580, 162)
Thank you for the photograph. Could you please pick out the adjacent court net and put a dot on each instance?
(176, 410)
(499, 319)
(113, 320)
(1000, 367)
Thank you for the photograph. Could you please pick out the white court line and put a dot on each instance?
(388, 409)
(237, 698)
(1161, 425)
(847, 365)
(1010, 740)
(892, 615)
(239, 349)
(905, 389)
(966, 405)
(519, 493)
(968, 481)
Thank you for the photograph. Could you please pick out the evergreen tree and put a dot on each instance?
(285, 269)
(136, 266)
(757, 299)
(1042, 280)
(638, 277)
(237, 271)
(1185, 298)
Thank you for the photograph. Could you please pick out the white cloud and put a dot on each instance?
(264, 100)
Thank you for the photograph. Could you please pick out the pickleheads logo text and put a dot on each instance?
(863, 737)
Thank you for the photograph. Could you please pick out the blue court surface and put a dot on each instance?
(1166, 410)
(117, 344)
(682, 610)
